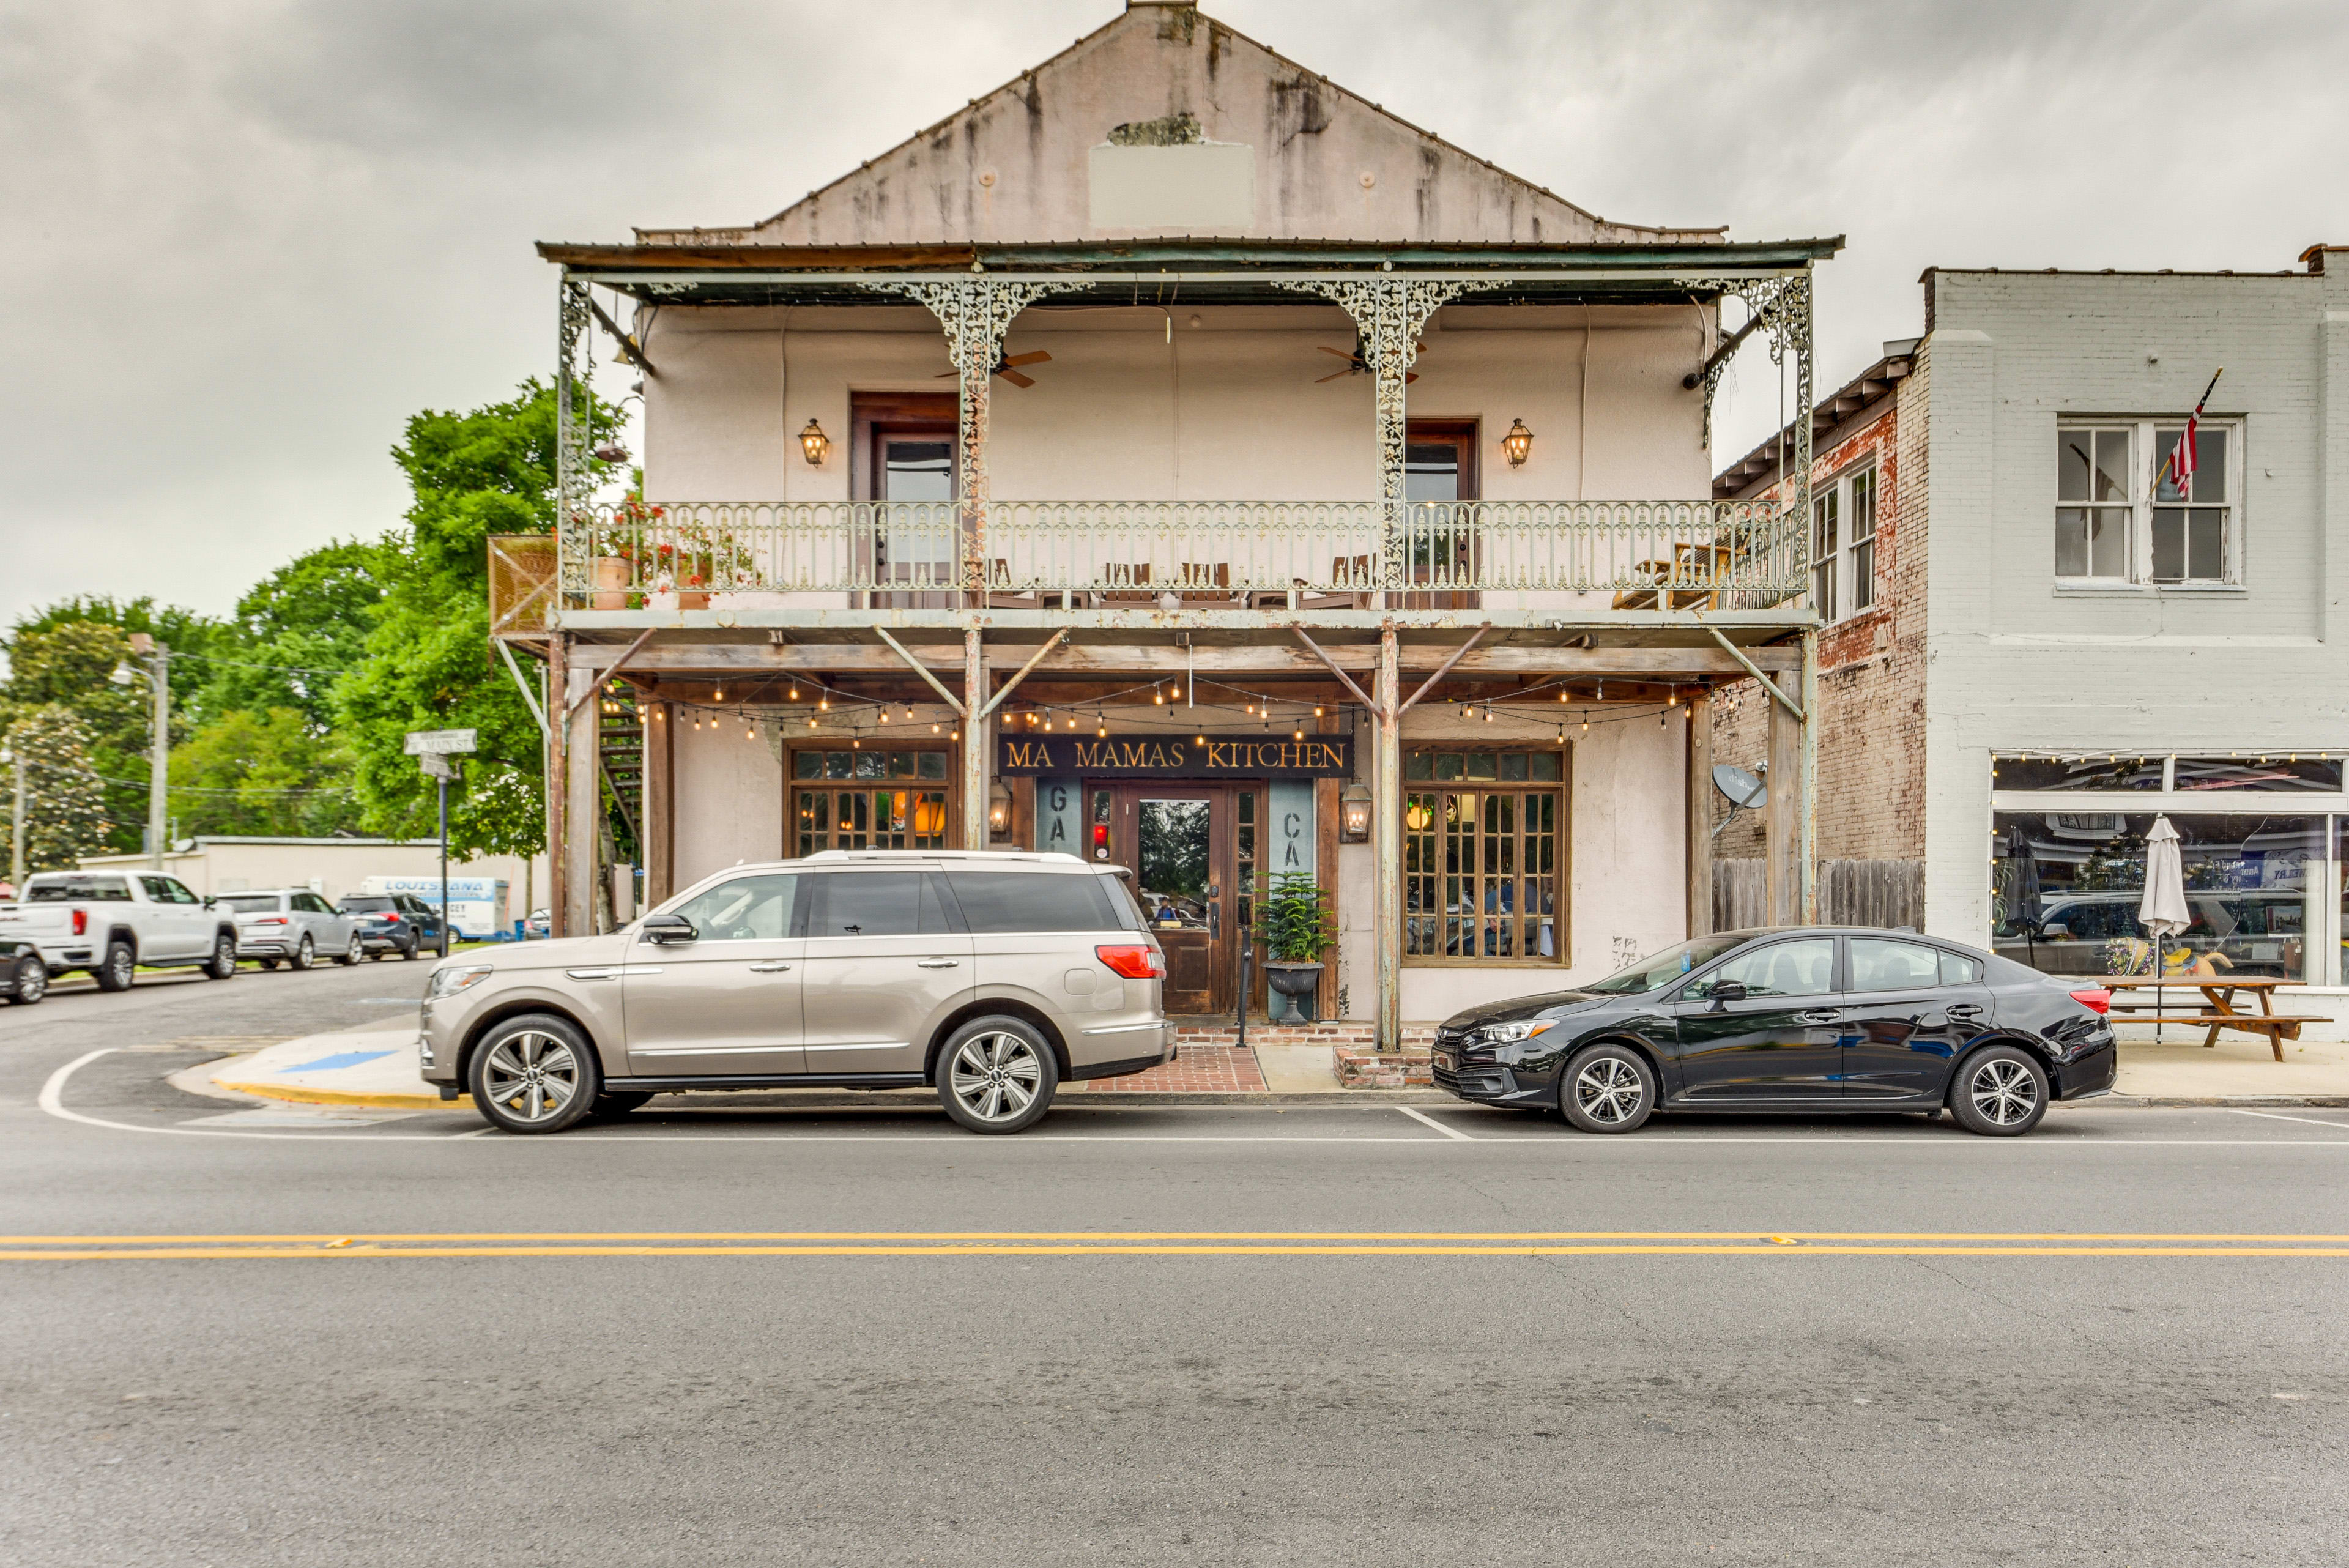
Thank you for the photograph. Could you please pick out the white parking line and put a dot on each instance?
(2276, 1116)
(1439, 1126)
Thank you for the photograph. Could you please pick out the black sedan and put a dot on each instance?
(1803, 1019)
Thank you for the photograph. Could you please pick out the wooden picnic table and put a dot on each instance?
(2217, 1010)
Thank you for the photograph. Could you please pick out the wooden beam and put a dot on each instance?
(738, 659)
(1344, 679)
(895, 647)
(1441, 671)
(596, 683)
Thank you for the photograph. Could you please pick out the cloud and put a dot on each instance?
(251, 236)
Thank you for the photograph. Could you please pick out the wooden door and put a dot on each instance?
(903, 449)
(1440, 465)
(1176, 838)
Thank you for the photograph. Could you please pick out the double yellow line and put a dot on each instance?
(1166, 1243)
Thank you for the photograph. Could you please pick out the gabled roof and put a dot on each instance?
(1160, 98)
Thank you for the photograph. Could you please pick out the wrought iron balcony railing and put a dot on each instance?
(1268, 553)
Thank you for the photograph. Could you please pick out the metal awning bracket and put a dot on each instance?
(1051, 643)
(1753, 670)
(923, 670)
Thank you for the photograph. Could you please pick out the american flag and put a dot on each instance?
(2179, 470)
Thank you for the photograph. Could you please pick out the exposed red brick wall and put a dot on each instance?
(1871, 669)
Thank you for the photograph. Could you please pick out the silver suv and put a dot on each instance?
(293, 924)
(993, 977)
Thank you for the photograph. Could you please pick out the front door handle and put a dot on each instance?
(768, 968)
(1962, 1010)
(1825, 1015)
(937, 963)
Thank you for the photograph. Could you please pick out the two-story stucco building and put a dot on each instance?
(2035, 641)
(1176, 459)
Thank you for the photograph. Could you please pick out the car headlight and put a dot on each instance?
(449, 982)
(1515, 1030)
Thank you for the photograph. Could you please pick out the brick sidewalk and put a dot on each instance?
(1199, 1069)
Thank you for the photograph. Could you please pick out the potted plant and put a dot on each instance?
(1296, 927)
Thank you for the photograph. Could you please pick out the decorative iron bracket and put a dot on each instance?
(1390, 314)
(1782, 308)
(975, 312)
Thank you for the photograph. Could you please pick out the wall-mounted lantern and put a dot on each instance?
(815, 444)
(999, 810)
(1354, 814)
(1518, 443)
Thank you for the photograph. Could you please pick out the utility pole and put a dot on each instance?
(159, 749)
(16, 828)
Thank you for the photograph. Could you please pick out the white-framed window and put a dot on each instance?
(1843, 545)
(2115, 528)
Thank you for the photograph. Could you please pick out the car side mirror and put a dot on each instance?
(1729, 991)
(666, 928)
(2055, 932)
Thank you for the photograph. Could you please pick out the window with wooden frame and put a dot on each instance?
(1439, 465)
(1843, 545)
(1486, 856)
(871, 797)
(2120, 519)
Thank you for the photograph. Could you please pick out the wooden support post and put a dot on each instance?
(583, 813)
(1700, 816)
(974, 741)
(1782, 818)
(657, 839)
(1386, 833)
(556, 751)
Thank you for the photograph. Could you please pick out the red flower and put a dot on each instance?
(693, 580)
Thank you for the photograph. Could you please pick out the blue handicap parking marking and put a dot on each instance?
(339, 1059)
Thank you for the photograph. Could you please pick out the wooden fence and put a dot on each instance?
(1885, 893)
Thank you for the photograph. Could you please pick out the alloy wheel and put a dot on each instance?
(1608, 1090)
(2003, 1092)
(32, 980)
(532, 1075)
(995, 1076)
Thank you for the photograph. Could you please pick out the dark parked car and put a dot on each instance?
(399, 923)
(1805, 1019)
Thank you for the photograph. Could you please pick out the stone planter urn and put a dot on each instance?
(612, 574)
(1298, 982)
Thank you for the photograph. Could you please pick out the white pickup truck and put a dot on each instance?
(111, 922)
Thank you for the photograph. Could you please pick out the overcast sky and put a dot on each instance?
(247, 238)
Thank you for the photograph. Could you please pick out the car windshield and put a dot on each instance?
(1663, 968)
(254, 904)
(366, 906)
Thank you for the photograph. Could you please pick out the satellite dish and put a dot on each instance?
(1742, 789)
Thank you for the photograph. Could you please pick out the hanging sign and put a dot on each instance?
(1176, 756)
(429, 743)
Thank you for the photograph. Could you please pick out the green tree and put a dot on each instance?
(64, 807)
(264, 774)
(428, 664)
(299, 630)
(68, 664)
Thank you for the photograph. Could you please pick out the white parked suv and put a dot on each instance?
(111, 922)
(992, 977)
(292, 925)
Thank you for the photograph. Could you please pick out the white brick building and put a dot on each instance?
(2086, 645)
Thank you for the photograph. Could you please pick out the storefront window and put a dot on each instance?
(2320, 774)
(2076, 774)
(829, 817)
(2065, 887)
(1482, 869)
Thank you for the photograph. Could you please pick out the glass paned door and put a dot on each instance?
(914, 543)
(1178, 843)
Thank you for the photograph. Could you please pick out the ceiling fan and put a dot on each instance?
(1355, 365)
(1008, 368)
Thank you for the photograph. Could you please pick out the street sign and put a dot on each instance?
(437, 767)
(426, 742)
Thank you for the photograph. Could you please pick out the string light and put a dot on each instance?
(824, 704)
(795, 693)
(1317, 710)
(718, 693)
(1585, 721)
(1101, 726)
(1157, 698)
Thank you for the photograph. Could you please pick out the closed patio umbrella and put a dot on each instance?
(2162, 910)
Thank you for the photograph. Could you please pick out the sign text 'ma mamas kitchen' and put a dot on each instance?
(1177, 757)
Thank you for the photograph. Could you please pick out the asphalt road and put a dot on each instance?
(1140, 1334)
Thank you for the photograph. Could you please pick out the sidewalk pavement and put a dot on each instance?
(380, 1068)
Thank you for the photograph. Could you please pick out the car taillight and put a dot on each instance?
(1137, 962)
(391, 919)
(2096, 999)
(270, 921)
(81, 922)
